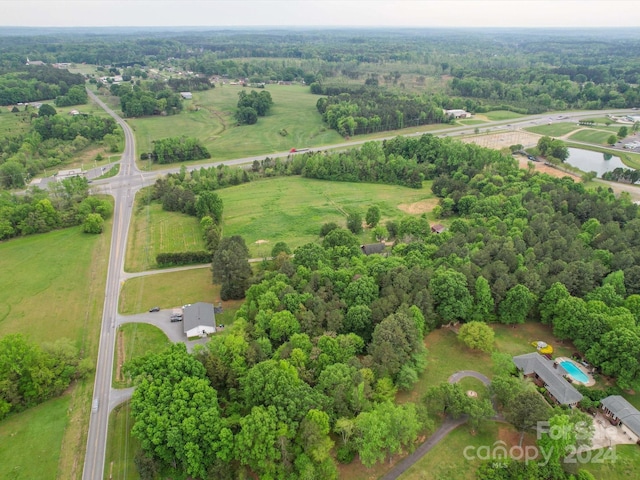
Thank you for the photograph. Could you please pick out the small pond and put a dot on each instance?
(589, 161)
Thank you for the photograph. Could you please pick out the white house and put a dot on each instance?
(457, 113)
(186, 95)
(199, 319)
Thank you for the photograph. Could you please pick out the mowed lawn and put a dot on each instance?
(598, 137)
(292, 209)
(155, 231)
(500, 115)
(136, 340)
(168, 290)
(554, 130)
(31, 441)
(293, 121)
(446, 460)
(52, 285)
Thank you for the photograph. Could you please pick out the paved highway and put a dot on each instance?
(123, 188)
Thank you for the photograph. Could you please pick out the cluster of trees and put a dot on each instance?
(370, 110)
(21, 84)
(176, 149)
(136, 101)
(182, 258)
(253, 105)
(553, 149)
(91, 127)
(32, 374)
(620, 174)
(64, 204)
(50, 141)
(77, 95)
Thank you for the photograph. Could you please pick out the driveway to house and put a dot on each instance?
(173, 330)
(447, 426)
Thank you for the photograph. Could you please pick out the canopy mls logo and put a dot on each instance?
(558, 438)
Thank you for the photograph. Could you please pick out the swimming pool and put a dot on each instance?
(574, 372)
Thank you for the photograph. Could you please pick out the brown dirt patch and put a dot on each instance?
(503, 139)
(120, 359)
(542, 168)
(423, 206)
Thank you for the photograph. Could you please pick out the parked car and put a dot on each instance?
(154, 309)
(176, 318)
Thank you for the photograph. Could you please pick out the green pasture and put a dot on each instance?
(498, 115)
(121, 446)
(471, 121)
(292, 209)
(555, 129)
(137, 340)
(168, 290)
(447, 458)
(14, 124)
(52, 285)
(155, 231)
(599, 137)
(209, 116)
(31, 441)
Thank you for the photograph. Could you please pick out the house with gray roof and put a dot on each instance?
(372, 248)
(199, 319)
(620, 412)
(550, 375)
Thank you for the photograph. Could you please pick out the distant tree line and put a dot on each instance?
(620, 174)
(190, 84)
(32, 374)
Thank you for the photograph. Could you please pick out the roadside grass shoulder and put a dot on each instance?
(498, 115)
(31, 441)
(154, 231)
(121, 446)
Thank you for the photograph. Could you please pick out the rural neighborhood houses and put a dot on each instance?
(199, 319)
(620, 412)
(550, 375)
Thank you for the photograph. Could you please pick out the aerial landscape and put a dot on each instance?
(319, 240)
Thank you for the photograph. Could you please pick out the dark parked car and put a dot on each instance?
(176, 318)
(154, 309)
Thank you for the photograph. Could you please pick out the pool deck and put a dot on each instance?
(589, 383)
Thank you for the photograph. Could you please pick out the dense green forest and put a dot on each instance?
(28, 83)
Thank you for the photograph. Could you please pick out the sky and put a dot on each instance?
(359, 13)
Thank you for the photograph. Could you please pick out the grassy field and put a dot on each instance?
(13, 124)
(52, 286)
(500, 115)
(155, 231)
(121, 446)
(168, 290)
(591, 136)
(554, 130)
(293, 209)
(447, 459)
(209, 117)
(136, 340)
(31, 441)
(625, 466)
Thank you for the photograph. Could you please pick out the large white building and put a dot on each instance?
(199, 319)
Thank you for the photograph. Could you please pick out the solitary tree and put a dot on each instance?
(623, 132)
(354, 222)
(46, 110)
(373, 216)
(231, 267)
(477, 335)
(612, 140)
